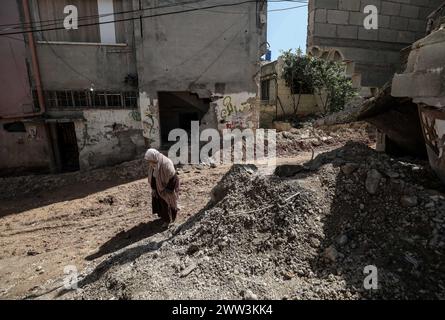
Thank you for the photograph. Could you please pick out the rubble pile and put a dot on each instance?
(309, 235)
(308, 136)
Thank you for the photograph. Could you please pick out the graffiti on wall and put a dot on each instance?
(32, 132)
(150, 126)
(236, 111)
(135, 115)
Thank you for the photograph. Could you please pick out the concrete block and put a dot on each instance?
(347, 32)
(364, 3)
(325, 30)
(338, 17)
(399, 23)
(387, 35)
(409, 11)
(425, 12)
(416, 85)
(356, 18)
(321, 15)
(406, 37)
(417, 25)
(384, 21)
(390, 8)
(349, 5)
(364, 34)
(326, 4)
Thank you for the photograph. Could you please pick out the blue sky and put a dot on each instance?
(286, 29)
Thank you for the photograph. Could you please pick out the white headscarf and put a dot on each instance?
(163, 171)
(153, 155)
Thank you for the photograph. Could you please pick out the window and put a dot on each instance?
(265, 90)
(89, 12)
(131, 99)
(80, 98)
(86, 99)
(99, 99)
(64, 98)
(114, 100)
(53, 10)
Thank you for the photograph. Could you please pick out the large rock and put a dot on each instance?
(372, 181)
(409, 201)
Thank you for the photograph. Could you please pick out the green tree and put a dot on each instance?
(327, 79)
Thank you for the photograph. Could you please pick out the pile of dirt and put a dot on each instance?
(307, 136)
(304, 236)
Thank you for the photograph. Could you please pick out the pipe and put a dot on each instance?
(34, 59)
(35, 68)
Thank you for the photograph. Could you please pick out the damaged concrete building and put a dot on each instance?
(336, 29)
(399, 65)
(132, 71)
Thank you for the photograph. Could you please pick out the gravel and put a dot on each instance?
(305, 236)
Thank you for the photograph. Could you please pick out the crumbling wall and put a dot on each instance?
(339, 24)
(24, 151)
(108, 137)
(213, 54)
(237, 110)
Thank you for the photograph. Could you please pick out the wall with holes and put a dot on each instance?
(109, 137)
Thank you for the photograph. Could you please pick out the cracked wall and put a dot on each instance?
(109, 137)
(212, 54)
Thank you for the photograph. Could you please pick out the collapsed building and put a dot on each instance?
(399, 67)
(132, 71)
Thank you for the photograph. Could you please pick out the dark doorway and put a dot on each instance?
(67, 144)
(177, 110)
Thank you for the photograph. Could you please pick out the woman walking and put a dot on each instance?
(164, 186)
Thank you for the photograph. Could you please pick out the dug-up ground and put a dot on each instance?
(305, 230)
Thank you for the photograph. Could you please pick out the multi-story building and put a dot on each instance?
(336, 29)
(132, 71)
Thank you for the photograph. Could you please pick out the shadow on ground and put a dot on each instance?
(125, 238)
(19, 194)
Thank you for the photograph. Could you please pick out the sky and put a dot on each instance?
(286, 29)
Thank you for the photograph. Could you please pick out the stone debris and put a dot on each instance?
(306, 236)
(409, 201)
(307, 137)
(373, 178)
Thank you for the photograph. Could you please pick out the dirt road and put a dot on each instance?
(77, 218)
(37, 241)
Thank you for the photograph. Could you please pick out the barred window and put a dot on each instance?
(131, 99)
(68, 99)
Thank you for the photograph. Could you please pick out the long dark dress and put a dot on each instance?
(159, 206)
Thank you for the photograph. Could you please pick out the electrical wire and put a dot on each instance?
(135, 18)
(8, 35)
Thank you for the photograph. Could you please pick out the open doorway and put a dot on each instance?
(177, 110)
(67, 146)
